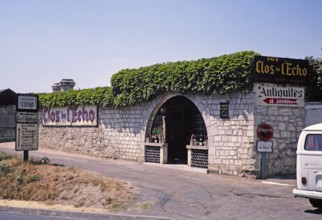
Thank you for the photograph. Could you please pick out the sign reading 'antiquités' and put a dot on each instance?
(277, 95)
(281, 70)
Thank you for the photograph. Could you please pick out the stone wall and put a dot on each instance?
(7, 123)
(231, 141)
(118, 135)
(121, 133)
(287, 123)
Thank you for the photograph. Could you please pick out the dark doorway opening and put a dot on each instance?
(176, 122)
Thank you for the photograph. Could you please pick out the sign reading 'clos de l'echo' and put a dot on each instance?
(70, 116)
(281, 70)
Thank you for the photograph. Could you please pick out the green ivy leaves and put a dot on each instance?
(102, 96)
(218, 75)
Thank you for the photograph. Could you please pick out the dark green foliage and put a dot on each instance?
(218, 75)
(98, 96)
(314, 88)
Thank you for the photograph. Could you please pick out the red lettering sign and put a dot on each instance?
(70, 116)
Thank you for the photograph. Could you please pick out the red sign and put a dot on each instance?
(279, 101)
(265, 132)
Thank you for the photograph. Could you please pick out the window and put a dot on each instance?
(157, 134)
(199, 126)
(313, 142)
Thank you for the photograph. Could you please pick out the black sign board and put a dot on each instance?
(27, 117)
(224, 110)
(280, 70)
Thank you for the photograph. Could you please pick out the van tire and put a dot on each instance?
(317, 203)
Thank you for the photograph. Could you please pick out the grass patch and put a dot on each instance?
(144, 205)
(39, 180)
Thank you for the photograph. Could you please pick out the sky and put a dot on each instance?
(44, 41)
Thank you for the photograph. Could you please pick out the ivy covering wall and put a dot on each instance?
(217, 75)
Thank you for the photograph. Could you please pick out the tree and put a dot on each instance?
(314, 89)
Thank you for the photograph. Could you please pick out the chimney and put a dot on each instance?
(63, 85)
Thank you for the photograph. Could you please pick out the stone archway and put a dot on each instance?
(176, 122)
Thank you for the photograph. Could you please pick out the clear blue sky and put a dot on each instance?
(44, 41)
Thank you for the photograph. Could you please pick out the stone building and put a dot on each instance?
(63, 85)
(249, 133)
(229, 144)
(7, 115)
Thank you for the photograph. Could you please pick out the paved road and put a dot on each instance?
(182, 194)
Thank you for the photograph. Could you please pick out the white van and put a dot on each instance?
(309, 165)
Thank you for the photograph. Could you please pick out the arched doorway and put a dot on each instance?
(178, 122)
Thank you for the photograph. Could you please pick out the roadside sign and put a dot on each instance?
(26, 123)
(264, 146)
(275, 95)
(265, 132)
(26, 117)
(26, 137)
(27, 102)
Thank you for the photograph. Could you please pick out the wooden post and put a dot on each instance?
(264, 166)
(25, 155)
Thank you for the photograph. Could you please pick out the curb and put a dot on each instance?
(85, 215)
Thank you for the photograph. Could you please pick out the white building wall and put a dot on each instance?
(313, 113)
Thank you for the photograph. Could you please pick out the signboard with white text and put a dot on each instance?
(27, 102)
(264, 146)
(26, 137)
(27, 117)
(275, 95)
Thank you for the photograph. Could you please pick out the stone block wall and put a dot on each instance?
(124, 130)
(287, 123)
(118, 135)
(231, 141)
(121, 133)
(7, 123)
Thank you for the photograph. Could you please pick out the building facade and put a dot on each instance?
(229, 139)
(251, 133)
(7, 115)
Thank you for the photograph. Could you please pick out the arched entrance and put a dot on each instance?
(178, 123)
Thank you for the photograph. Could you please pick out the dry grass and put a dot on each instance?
(53, 184)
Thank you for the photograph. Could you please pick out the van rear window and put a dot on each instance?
(313, 142)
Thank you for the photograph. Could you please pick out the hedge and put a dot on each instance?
(217, 75)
